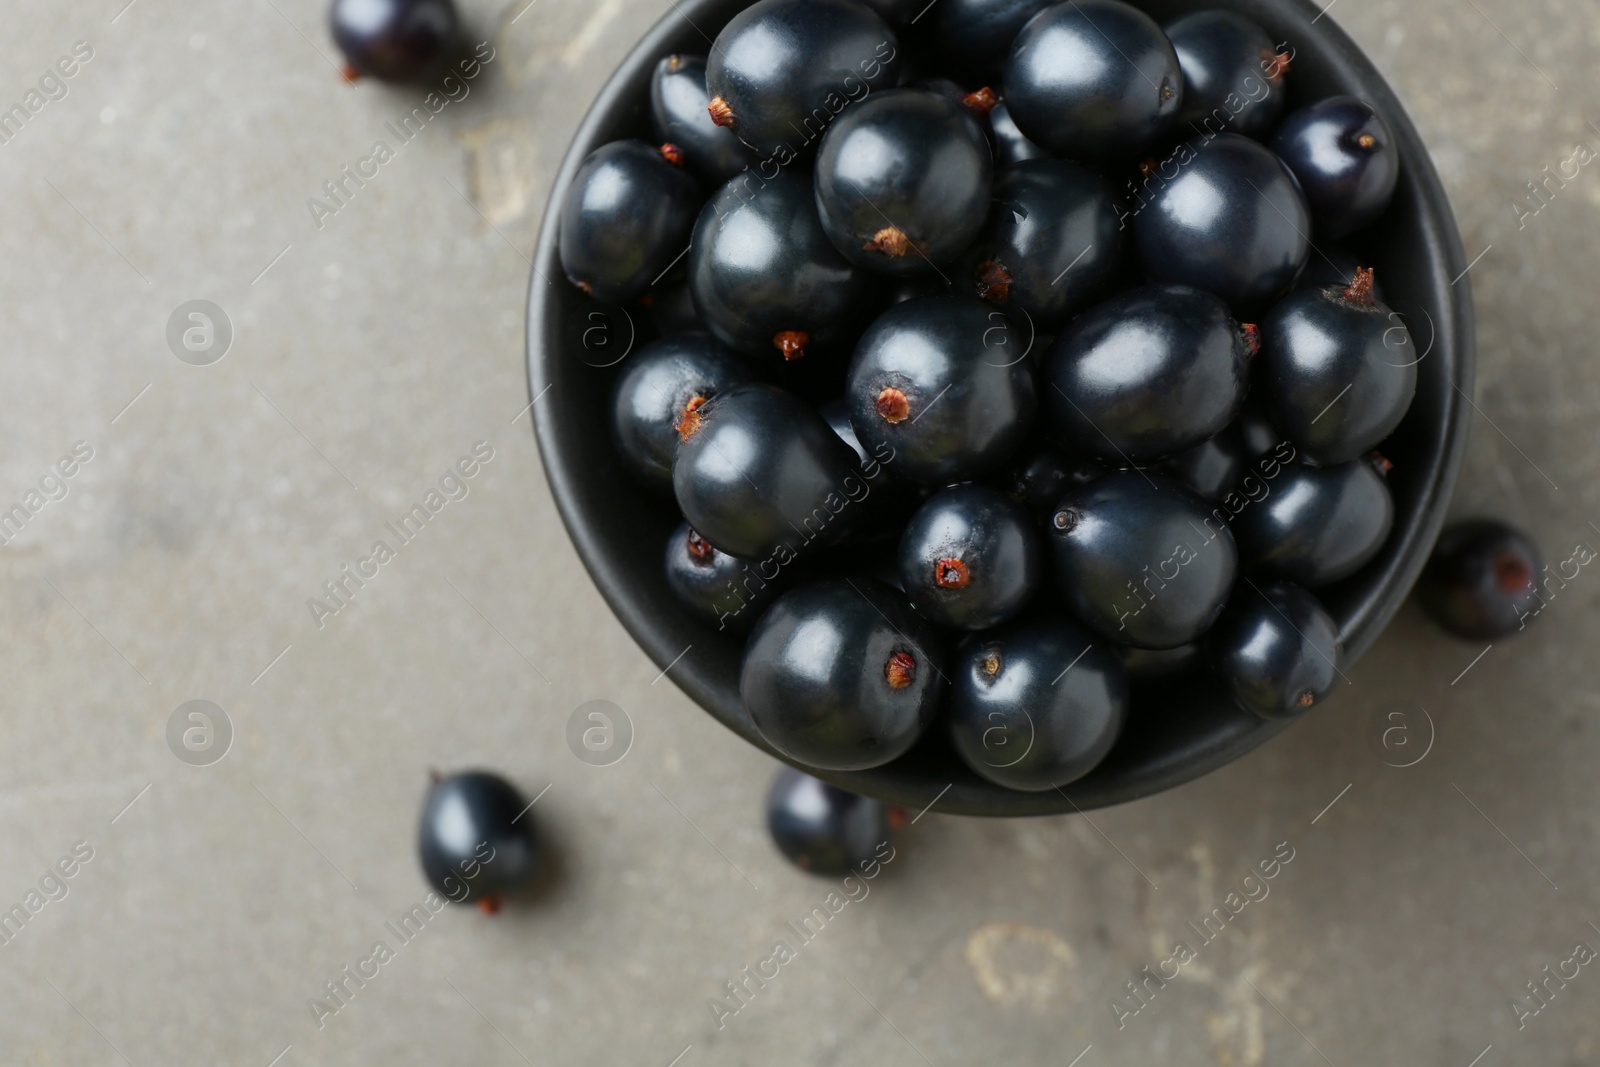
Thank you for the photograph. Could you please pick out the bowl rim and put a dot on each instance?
(1405, 554)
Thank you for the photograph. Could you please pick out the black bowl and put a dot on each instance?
(1181, 726)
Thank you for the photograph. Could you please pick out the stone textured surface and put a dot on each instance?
(372, 352)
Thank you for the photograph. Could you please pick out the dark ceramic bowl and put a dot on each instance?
(1181, 726)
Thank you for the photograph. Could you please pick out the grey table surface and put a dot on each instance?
(375, 345)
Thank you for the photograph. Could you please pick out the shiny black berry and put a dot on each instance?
(1044, 475)
(1483, 580)
(627, 216)
(1147, 373)
(902, 181)
(394, 40)
(970, 558)
(723, 591)
(935, 383)
(764, 275)
(1010, 144)
(1337, 370)
(657, 398)
(781, 70)
(1222, 214)
(974, 37)
(1036, 704)
(1276, 650)
(1093, 80)
(476, 839)
(678, 102)
(1315, 525)
(842, 675)
(761, 476)
(825, 830)
(1053, 240)
(1141, 560)
(1214, 466)
(1232, 73)
(1345, 157)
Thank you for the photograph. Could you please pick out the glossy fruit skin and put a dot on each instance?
(907, 161)
(1482, 581)
(1054, 232)
(760, 265)
(1256, 431)
(765, 478)
(1212, 468)
(1337, 375)
(1011, 145)
(1045, 474)
(986, 549)
(816, 675)
(1113, 105)
(1224, 215)
(471, 840)
(970, 402)
(1316, 525)
(1148, 373)
(1115, 541)
(394, 40)
(628, 214)
(825, 830)
(1276, 649)
(723, 591)
(974, 36)
(678, 115)
(785, 68)
(1049, 711)
(1348, 183)
(652, 392)
(1230, 79)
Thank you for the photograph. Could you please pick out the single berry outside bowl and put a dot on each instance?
(1180, 726)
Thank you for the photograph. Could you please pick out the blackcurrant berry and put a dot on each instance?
(721, 590)
(678, 102)
(1036, 704)
(939, 384)
(823, 829)
(476, 839)
(1482, 581)
(1053, 240)
(657, 398)
(765, 277)
(1222, 214)
(1093, 80)
(1141, 560)
(1345, 157)
(394, 40)
(1213, 467)
(1338, 370)
(970, 558)
(841, 675)
(781, 70)
(902, 181)
(1045, 474)
(1010, 144)
(1147, 373)
(1316, 525)
(974, 36)
(1276, 650)
(761, 476)
(1232, 73)
(627, 216)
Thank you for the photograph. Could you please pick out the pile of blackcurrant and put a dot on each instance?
(994, 351)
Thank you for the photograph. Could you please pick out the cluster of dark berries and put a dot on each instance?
(993, 350)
